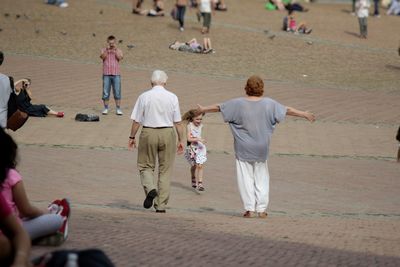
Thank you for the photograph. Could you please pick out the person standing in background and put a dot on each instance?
(111, 56)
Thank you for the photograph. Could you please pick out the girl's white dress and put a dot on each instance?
(196, 152)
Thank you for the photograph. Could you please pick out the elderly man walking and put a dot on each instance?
(157, 110)
(252, 120)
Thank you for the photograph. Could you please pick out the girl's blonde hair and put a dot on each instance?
(189, 115)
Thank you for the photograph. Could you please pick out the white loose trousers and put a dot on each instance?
(253, 183)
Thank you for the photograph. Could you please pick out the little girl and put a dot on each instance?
(196, 152)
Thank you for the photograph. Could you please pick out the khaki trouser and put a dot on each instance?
(153, 144)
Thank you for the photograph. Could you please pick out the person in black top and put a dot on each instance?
(24, 97)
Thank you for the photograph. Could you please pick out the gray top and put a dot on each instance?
(252, 124)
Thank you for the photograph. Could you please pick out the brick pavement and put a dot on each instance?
(336, 205)
(323, 211)
(342, 114)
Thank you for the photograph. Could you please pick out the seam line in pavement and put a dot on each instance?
(116, 148)
(236, 213)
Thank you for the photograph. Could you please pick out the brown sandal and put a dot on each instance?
(200, 186)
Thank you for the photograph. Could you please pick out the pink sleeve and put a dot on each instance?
(13, 178)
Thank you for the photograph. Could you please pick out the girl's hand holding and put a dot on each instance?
(179, 149)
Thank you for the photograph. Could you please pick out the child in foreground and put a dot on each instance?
(196, 151)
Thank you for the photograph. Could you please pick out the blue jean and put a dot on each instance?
(113, 81)
(181, 15)
(376, 7)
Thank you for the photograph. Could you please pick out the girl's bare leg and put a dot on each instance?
(199, 173)
(209, 43)
(199, 176)
(193, 176)
(205, 46)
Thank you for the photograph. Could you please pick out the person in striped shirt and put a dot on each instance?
(111, 56)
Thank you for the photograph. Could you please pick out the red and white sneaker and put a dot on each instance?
(55, 207)
(64, 229)
(65, 213)
(66, 207)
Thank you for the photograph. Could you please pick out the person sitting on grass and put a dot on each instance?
(24, 97)
(193, 46)
(50, 224)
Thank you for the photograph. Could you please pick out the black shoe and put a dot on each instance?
(160, 211)
(148, 202)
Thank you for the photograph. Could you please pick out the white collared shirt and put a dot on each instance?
(157, 107)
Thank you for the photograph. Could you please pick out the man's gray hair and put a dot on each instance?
(159, 77)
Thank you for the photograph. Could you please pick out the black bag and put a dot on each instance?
(398, 134)
(15, 117)
(82, 258)
(86, 117)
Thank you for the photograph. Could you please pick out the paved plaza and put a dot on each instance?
(334, 198)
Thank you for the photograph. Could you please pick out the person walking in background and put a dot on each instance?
(205, 9)
(181, 9)
(157, 111)
(376, 9)
(252, 120)
(196, 151)
(362, 11)
(111, 56)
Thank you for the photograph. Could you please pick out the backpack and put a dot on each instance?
(15, 117)
(87, 117)
(76, 258)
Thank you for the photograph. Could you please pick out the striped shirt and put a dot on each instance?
(110, 63)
